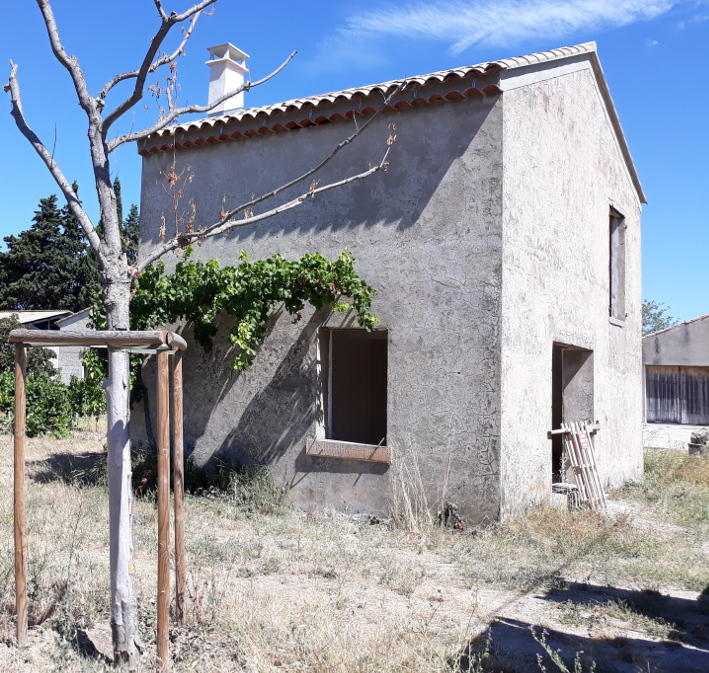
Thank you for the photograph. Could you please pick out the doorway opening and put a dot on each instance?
(571, 396)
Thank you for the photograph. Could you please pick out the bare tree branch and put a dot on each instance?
(195, 9)
(139, 89)
(326, 160)
(190, 109)
(13, 87)
(227, 225)
(71, 63)
(163, 60)
(161, 11)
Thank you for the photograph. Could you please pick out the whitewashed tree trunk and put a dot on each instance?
(124, 607)
(117, 275)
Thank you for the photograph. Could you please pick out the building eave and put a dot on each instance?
(363, 101)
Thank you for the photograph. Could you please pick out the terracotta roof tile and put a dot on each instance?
(313, 103)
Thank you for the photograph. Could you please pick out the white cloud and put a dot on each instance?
(496, 22)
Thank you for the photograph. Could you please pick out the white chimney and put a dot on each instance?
(227, 70)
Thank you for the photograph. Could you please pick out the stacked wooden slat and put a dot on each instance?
(578, 446)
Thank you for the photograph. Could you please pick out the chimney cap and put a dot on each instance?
(227, 51)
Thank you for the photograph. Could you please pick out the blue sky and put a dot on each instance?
(653, 53)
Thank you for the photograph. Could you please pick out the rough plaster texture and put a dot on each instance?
(686, 344)
(479, 272)
(426, 234)
(562, 173)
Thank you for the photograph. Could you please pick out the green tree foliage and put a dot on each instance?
(130, 233)
(197, 292)
(86, 396)
(51, 405)
(656, 317)
(48, 406)
(45, 266)
(51, 266)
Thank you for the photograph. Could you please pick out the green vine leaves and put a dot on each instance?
(197, 292)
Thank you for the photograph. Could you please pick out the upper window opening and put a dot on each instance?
(617, 265)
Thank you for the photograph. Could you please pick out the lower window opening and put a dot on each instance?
(356, 400)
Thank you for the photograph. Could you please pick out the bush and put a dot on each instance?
(87, 397)
(48, 406)
(52, 406)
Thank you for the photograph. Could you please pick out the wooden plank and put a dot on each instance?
(574, 459)
(19, 496)
(663, 392)
(178, 469)
(163, 510)
(591, 451)
(578, 444)
(330, 448)
(115, 339)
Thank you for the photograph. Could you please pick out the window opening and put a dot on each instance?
(617, 265)
(356, 389)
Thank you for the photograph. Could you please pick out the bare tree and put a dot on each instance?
(117, 275)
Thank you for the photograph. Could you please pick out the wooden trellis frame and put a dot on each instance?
(168, 346)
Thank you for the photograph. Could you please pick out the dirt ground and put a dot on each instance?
(322, 591)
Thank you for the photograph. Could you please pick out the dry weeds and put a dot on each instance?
(325, 592)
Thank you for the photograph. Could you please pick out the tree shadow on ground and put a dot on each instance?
(689, 616)
(84, 469)
(509, 646)
(86, 647)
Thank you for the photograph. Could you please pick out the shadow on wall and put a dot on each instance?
(256, 416)
(429, 141)
(282, 410)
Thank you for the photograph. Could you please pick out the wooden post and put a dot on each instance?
(178, 468)
(163, 509)
(20, 539)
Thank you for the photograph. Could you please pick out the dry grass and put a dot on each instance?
(324, 592)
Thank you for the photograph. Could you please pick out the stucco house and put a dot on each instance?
(504, 244)
(676, 368)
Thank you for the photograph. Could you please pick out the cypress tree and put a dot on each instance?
(46, 266)
(130, 232)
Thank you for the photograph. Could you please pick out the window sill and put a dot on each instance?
(331, 448)
(616, 322)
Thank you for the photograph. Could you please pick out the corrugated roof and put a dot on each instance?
(384, 89)
(84, 311)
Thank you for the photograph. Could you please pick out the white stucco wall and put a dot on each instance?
(426, 236)
(563, 172)
(479, 272)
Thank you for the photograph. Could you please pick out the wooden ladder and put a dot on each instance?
(579, 450)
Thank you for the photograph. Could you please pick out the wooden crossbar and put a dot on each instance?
(170, 408)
